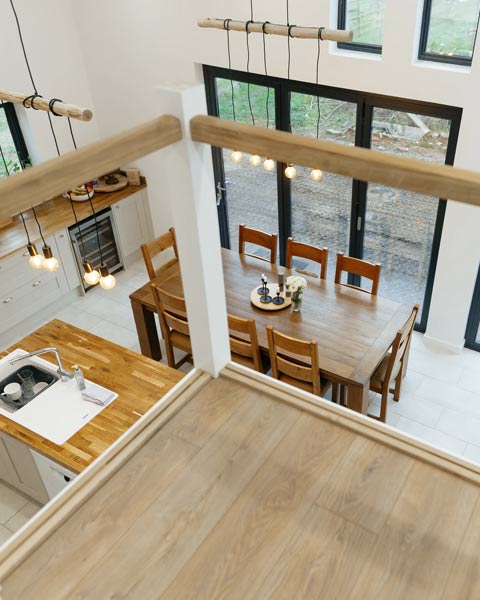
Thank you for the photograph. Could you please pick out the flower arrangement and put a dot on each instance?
(296, 285)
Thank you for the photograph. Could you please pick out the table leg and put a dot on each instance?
(358, 398)
(146, 330)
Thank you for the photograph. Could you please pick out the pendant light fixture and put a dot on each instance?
(236, 156)
(268, 163)
(290, 170)
(91, 276)
(50, 263)
(316, 174)
(36, 259)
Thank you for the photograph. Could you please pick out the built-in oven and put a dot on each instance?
(85, 238)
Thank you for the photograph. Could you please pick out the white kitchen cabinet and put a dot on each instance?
(55, 477)
(67, 259)
(19, 468)
(130, 217)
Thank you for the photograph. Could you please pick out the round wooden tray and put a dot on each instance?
(102, 187)
(255, 300)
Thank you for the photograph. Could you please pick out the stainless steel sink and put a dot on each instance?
(40, 375)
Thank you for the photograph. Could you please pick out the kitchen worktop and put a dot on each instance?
(139, 381)
(56, 214)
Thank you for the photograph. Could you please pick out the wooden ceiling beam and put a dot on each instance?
(38, 184)
(439, 181)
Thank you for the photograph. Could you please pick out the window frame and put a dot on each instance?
(16, 133)
(356, 46)
(424, 54)
(365, 101)
(473, 322)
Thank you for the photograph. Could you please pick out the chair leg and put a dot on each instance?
(335, 393)
(383, 406)
(398, 387)
(169, 353)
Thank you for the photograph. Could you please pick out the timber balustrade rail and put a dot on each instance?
(440, 181)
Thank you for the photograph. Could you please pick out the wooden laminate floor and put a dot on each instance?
(242, 496)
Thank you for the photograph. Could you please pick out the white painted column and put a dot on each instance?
(189, 189)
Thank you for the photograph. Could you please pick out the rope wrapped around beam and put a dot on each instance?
(55, 107)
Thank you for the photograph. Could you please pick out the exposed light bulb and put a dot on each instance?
(91, 275)
(290, 171)
(236, 156)
(255, 160)
(36, 259)
(36, 262)
(316, 174)
(50, 263)
(268, 164)
(107, 281)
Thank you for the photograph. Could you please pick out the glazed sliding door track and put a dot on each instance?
(240, 487)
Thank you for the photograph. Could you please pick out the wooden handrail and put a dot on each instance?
(333, 35)
(439, 181)
(60, 108)
(37, 184)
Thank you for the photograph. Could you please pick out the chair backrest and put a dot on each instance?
(244, 340)
(358, 267)
(155, 247)
(312, 253)
(172, 312)
(260, 238)
(284, 351)
(399, 347)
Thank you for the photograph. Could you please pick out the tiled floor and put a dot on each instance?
(15, 511)
(440, 401)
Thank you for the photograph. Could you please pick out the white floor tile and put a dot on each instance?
(443, 366)
(451, 396)
(116, 334)
(470, 380)
(10, 502)
(456, 424)
(472, 453)
(79, 318)
(5, 534)
(431, 436)
(417, 409)
(22, 516)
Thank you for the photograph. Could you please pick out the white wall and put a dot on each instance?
(129, 48)
(54, 51)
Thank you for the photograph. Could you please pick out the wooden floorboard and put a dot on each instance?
(243, 496)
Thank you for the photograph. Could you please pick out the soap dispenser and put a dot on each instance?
(79, 378)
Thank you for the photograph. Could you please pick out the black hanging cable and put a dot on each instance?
(25, 227)
(23, 46)
(78, 228)
(319, 40)
(248, 71)
(288, 48)
(226, 25)
(38, 224)
(266, 73)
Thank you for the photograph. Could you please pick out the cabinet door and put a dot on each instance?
(7, 470)
(67, 259)
(130, 220)
(29, 480)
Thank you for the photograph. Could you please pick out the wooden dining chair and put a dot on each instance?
(260, 238)
(172, 314)
(358, 267)
(244, 346)
(156, 247)
(389, 374)
(295, 362)
(311, 253)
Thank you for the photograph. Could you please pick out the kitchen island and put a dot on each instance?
(138, 381)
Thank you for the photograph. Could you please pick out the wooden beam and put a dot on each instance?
(61, 108)
(332, 35)
(37, 184)
(440, 181)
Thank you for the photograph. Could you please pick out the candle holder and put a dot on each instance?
(278, 300)
(263, 290)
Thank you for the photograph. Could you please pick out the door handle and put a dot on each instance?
(220, 189)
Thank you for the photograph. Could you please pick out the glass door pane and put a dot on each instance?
(321, 210)
(250, 192)
(399, 225)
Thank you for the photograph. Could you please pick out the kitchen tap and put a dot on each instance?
(64, 374)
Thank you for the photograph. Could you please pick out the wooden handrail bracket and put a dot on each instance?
(439, 181)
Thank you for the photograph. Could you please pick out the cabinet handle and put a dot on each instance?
(36, 283)
(7, 300)
(61, 236)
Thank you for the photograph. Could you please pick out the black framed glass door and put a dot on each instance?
(472, 335)
(400, 230)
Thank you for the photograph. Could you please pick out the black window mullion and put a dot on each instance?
(473, 323)
(284, 185)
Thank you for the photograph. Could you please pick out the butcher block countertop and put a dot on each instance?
(56, 214)
(139, 382)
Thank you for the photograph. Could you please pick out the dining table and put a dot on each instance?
(354, 329)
